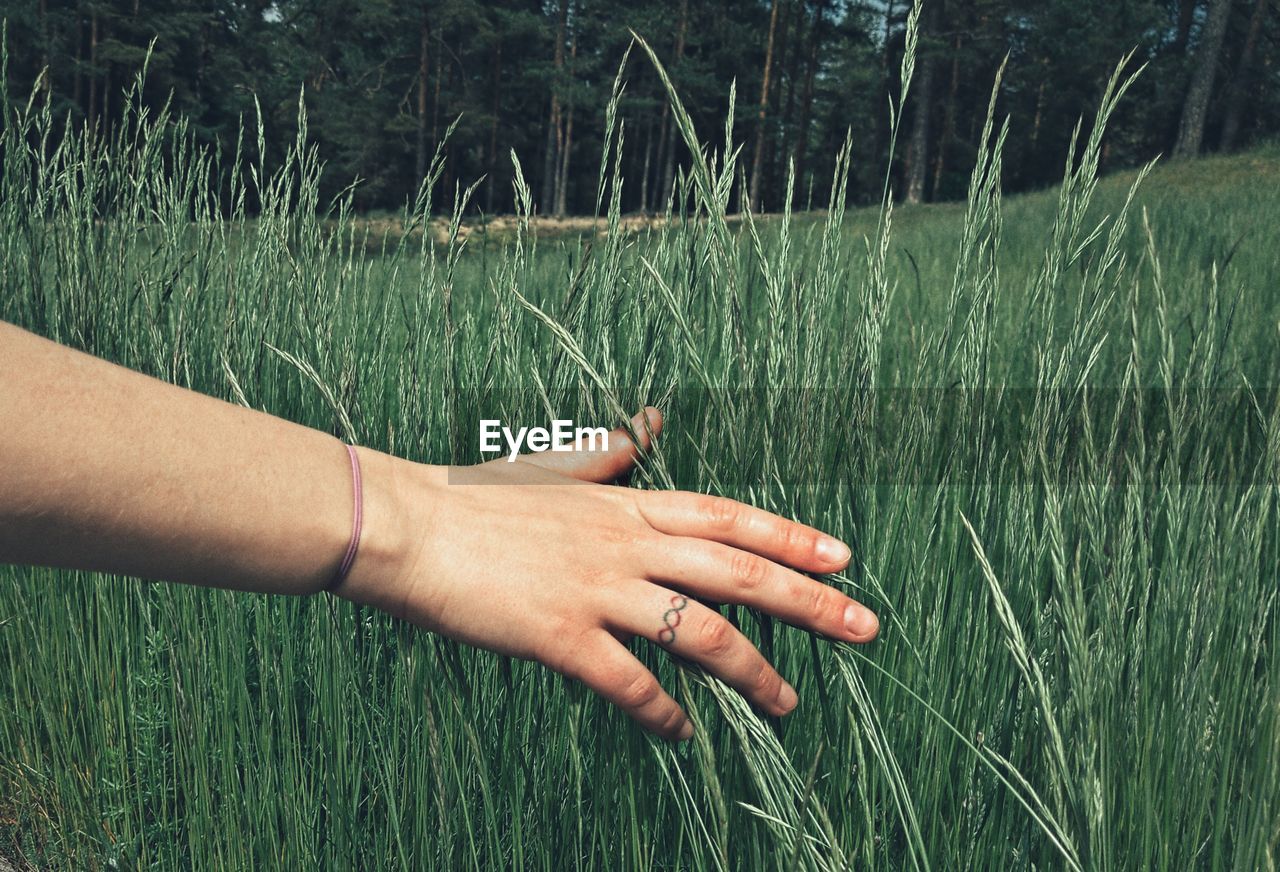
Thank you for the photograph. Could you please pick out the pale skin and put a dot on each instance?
(102, 468)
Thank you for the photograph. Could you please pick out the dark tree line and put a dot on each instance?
(384, 80)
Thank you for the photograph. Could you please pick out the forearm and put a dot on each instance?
(106, 469)
(102, 468)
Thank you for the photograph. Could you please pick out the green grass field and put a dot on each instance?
(1050, 425)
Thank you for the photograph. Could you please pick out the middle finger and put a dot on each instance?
(728, 575)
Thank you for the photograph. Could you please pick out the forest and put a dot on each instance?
(1047, 426)
(383, 80)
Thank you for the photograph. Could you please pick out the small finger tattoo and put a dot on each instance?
(671, 618)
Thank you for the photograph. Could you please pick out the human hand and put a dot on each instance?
(540, 559)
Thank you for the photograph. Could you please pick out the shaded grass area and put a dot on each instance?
(1077, 667)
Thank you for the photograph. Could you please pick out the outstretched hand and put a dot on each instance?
(542, 559)
(106, 469)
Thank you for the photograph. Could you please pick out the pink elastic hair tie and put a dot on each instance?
(356, 524)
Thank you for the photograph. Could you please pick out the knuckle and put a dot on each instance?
(715, 637)
(564, 656)
(672, 720)
(794, 537)
(819, 601)
(720, 513)
(767, 682)
(593, 577)
(748, 570)
(620, 535)
(639, 691)
(622, 505)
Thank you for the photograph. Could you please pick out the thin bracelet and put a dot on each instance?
(356, 524)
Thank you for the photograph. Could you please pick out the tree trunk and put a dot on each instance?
(1182, 33)
(806, 103)
(77, 91)
(757, 158)
(783, 61)
(1235, 96)
(793, 79)
(566, 144)
(918, 148)
(551, 162)
(1196, 106)
(948, 117)
(664, 146)
(447, 175)
(644, 171)
(562, 177)
(46, 80)
(104, 111)
(496, 85)
(888, 25)
(669, 128)
(92, 116)
(776, 143)
(435, 99)
(887, 81)
(1039, 116)
(424, 68)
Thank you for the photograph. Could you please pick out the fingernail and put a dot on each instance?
(833, 550)
(861, 621)
(787, 698)
(686, 732)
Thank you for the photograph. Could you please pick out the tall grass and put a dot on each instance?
(1050, 426)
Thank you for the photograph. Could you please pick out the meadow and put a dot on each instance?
(1048, 424)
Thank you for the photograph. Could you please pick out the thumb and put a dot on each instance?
(603, 464)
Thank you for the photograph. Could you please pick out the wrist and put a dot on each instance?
(385, 542)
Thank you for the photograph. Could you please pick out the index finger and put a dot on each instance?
(729, 522)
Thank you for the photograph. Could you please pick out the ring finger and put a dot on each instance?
(694, 632)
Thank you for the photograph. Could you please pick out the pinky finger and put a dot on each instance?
(615, 674)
